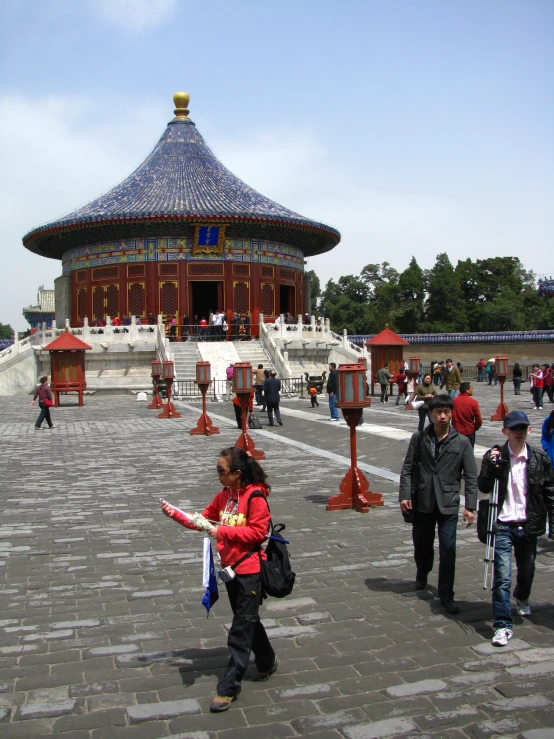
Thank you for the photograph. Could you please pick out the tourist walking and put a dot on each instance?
(313, 397)
(517, 375)
(332, 387)
(272, 395)
(537, 386)
(243, 517)
(525, 495)
(45, 402)
(258, 383)
(383, 378)
(547, 438)
(451, 379)
(480, 370)
(548, 381)
(401, 380)
(437, 458)
(229, 375)
(424, 393)
(466, 415)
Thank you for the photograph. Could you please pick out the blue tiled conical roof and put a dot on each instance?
(180, 182)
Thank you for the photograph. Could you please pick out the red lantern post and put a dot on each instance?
(352, 399)
(168, 372)
(501, 372)
(156, 374)
(203, 380)
(413, 373)
(243, 387)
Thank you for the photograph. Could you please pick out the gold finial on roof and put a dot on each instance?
(181, 101)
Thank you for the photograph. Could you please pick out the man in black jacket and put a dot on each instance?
(432, 490)
(271, 390)
(525, 496)
(332, 391)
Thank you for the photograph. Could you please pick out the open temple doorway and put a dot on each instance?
(286, 299)
(205, 296)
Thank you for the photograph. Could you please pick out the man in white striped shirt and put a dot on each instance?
(526, 494)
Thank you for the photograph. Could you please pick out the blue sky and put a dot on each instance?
(413, 126)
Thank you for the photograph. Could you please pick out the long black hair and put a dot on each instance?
(250, 471)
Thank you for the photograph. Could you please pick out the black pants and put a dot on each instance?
(471, 438)
(258, 389)
(246, 634)
(44, 415)
(384, 394)
(422, 413)
(549, 392)
(423, 536)
(270, 408)
(238, 414)
(313, 398)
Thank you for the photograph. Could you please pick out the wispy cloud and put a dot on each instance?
(136, 16)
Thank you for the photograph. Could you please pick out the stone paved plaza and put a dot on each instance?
(103, 635)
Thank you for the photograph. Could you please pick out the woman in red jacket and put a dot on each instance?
(243, 526)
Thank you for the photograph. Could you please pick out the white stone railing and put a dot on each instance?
(17, 348)
(357, 351)
(279, 359)
(162, 343)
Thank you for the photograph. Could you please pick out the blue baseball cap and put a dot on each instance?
(516, 418)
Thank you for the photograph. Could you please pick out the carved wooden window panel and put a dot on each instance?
(267, 299)
(136, 299)
(98, 302)
(169, 298)
(135, 270)
(82, 276)
(205, 269)
(287, 274)
(266, 271)
(112, 300)
(81, 303)
(241, 297)
(242, 270)
(168, 270)
(105, 273)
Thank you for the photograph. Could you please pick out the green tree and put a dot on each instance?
(345, 304)
(410, 299)
(315, 291)
(6, 331)
(445, 309)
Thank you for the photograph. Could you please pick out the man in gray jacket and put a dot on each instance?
(431, 489)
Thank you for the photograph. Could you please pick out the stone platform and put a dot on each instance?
(103, 635)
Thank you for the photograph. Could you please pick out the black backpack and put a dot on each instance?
(276, 574)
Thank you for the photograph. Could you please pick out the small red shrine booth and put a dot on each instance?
(386, 347)
(67, 361)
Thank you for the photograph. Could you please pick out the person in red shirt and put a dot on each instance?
(537, 386)
(401, 379)
(238, 408)
(466, 416)
(548, 382)
(242, 515)
(203, 328)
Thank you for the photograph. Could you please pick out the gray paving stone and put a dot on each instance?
(44, 709)
(538, 734)
(379, 729)
(540, 668)
(417, 688)
(166, 710)
(525, 703)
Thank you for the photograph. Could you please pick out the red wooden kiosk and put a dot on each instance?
(67, 361)
(386, 347)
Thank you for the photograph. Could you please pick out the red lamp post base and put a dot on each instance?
(501, 412)
(245, 441)
(157, 399)
(354, 488)
(169, 409)
(502, 408)
(204, 425)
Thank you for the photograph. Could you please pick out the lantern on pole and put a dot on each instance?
(352, 399)
(501, 369)
(156, 374)
(413, 374)
(244, 390)
(203, 380)
(168, 373)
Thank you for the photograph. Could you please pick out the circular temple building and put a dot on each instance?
(181, 236)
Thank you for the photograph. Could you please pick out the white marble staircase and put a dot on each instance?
(253, 352)
(185, 355)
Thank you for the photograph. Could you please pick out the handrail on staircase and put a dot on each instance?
(279, 359)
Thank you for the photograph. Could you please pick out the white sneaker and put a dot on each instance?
(535, 408)
(523, 608)
(540, 408)
(501, 637)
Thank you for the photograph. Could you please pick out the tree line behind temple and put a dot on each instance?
(495, 294)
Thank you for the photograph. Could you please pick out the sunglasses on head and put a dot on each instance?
(519, 427)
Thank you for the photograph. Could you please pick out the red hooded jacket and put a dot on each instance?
(237, 534)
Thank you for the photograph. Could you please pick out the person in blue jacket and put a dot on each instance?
(547, 437)
(547, 441)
